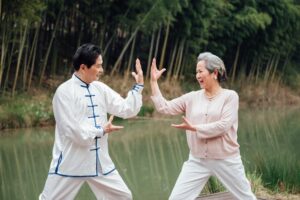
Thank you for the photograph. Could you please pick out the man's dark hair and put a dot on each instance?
(86, 54)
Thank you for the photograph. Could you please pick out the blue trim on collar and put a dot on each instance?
(86, 84)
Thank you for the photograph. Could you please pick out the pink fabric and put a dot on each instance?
(215, 119)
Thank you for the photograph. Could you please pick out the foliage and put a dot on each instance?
(38, 38)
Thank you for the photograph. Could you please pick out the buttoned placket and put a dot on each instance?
(92, 106)
(206, 121)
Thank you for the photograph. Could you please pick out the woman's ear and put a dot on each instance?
(216, 74)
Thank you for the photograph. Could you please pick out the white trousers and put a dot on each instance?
(106, 187)
(196, 172)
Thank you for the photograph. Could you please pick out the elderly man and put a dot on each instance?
(80, 151)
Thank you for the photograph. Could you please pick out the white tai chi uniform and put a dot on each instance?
(214, 150)
(80, 151)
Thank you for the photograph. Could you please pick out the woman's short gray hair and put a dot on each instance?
(212, 63)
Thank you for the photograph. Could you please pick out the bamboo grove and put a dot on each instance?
(38, 38)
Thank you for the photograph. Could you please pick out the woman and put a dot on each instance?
(211, 122)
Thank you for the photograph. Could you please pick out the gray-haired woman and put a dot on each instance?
(211, 122)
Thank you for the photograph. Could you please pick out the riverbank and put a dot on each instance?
(34, 108)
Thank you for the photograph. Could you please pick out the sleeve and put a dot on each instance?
(228, 118)
(67, 124)
(173, 107)
(124, 107)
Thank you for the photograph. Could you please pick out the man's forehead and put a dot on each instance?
(99, 59)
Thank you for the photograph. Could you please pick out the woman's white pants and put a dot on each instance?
(196, 172)
(105, 187)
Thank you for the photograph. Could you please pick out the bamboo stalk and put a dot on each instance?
(157, 42)
(49, 48)
(32, 59)
(117, 63)
(172, 60)
(4, 47)
(131, 56)
(235, 64)
(9, 63)
(163, 53)
(150, 55)
(25, 64)
(179, 60)
(22, 43)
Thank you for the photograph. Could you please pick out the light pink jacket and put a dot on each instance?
(215, 119)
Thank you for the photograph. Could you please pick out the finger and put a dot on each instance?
(134, 75)
(186, 120)
(111, 118)
(176, 125)
(153, 66)
(138, 66)
(117, 127)
(162, 71)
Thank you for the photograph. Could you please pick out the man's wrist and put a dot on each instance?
(138, 88)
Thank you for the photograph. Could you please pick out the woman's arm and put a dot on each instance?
(173, 107)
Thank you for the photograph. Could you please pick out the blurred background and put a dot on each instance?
(258, 40)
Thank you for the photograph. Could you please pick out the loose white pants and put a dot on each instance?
(196, 172)
(106, 187)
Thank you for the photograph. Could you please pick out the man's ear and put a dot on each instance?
(82, 67)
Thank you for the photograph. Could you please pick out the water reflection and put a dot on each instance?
(149, 154)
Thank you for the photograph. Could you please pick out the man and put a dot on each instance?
(80, 151)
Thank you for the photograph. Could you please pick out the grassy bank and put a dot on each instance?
(34, 108)
(26, 110)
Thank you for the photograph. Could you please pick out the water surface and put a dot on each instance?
(149, 154)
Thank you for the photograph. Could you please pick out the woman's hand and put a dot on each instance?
(155, 73)
(186, 125)
(109, 127)
(138, 75)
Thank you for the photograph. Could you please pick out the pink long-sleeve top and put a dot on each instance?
(215, 120)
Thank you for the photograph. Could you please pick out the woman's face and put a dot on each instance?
(203, 76)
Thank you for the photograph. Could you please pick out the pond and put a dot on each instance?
(149, 154)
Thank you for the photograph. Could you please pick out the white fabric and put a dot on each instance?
(196, 172)
(80, 112)
(105, 187)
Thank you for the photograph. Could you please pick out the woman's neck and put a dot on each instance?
(213, 91)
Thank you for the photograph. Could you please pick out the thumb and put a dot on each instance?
(111, 118)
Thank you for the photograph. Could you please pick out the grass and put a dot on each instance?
(26, 110)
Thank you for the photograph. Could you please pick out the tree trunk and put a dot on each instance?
(49, 48)
(33, 55)
(170, 68)
(25, 64)
(9, 62)
(162, 58)
(150, 55)
(118, 62)
(235, 63)
(4, 47)
(179, 59)
(22, 42)
(129, 68)
(157, 42)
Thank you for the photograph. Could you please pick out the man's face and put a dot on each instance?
(93, 73)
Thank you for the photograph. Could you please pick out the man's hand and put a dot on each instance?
(186, 125)
(109, 127)
(138, 75)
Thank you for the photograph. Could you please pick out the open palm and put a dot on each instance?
(138, 74)
(155, 73)
(186, 125)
